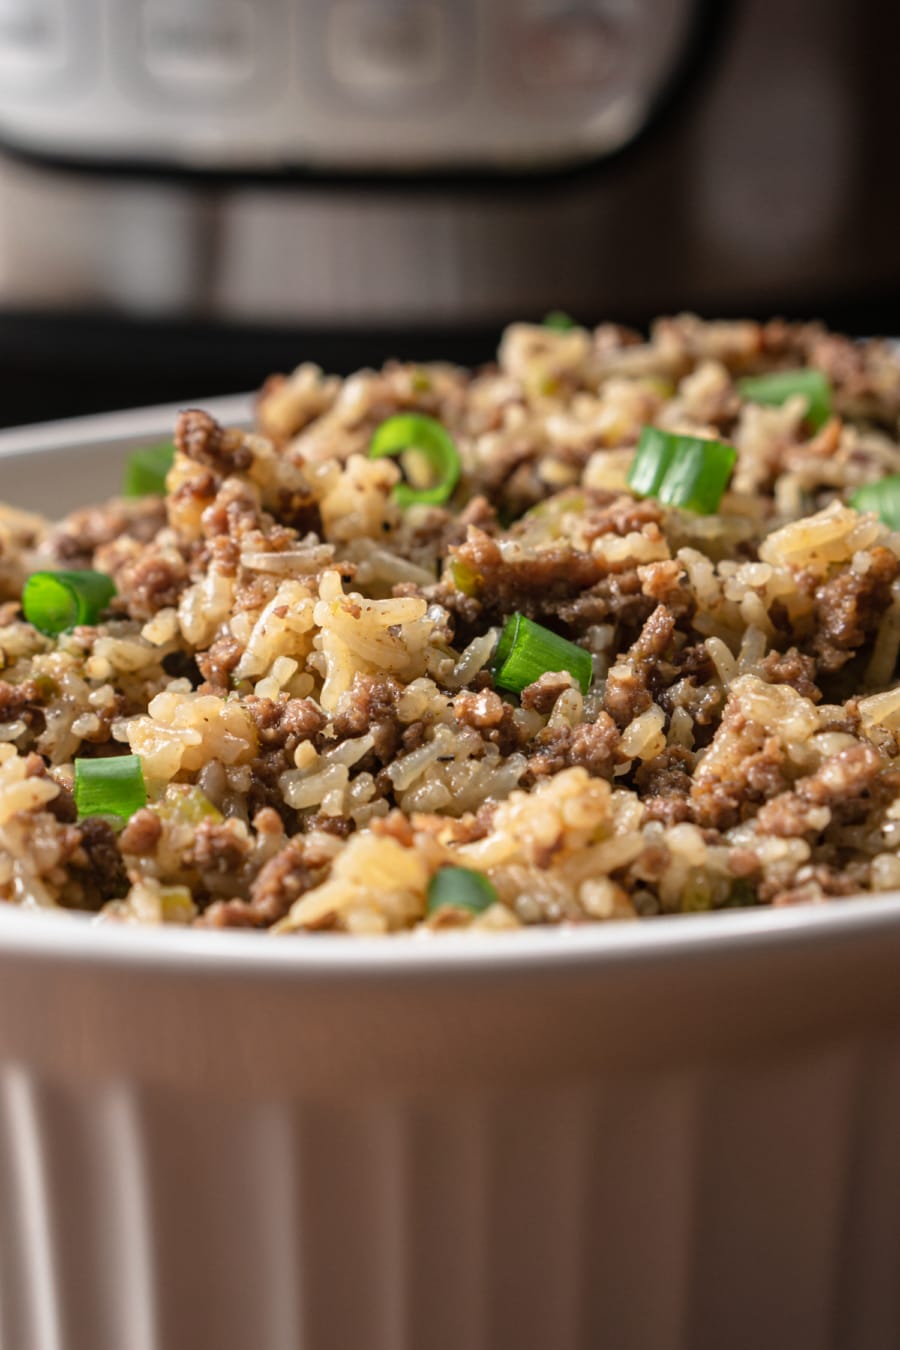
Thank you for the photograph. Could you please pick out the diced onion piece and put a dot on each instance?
(777, 387)
(526, 651)
(685, 471)
(460, 888)
(146, 470)
(882, 497)
(416, 432)
(109, 787)
(57, 601)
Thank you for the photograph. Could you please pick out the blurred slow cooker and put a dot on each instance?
(197, 191)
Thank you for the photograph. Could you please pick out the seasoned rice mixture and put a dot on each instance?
(306, 666)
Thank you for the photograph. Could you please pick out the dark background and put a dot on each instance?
(768, 185)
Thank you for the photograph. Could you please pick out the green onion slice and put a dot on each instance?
(882, 497)
(781, 385)
(526, 651)
(558, 319)
(685, 471)
(417, 437)
(57, 601)
(462, 888)
(109, 787)
(146, 470)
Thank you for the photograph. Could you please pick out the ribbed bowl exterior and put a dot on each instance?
(695, 1148)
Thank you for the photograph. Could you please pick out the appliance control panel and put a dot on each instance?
(334, 85)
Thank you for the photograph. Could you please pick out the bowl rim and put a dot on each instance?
(120, 429)
(39, 934)
(66, 937)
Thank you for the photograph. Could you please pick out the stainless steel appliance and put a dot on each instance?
(348, 175)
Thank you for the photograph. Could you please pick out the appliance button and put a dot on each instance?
(207, 47)
(571, 53)
(385, 51)
(32, 37)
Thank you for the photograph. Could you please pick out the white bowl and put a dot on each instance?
(681, 1134)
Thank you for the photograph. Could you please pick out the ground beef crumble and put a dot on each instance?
(589, 745)
(202, 439)
(281, 881)
(537, 585)
(105, 877)
(850, 606)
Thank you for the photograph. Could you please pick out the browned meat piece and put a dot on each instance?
(105, 877)
(535, 584)
(665, 582)
(372, 707)
(655, 636)
(839, 784)
(589, 745)
(617, 598)
(794, 668)
(743, 862)
(340, 826)
(441, 529)
(744, 767)
(142, 833)
(198, 492)
(815, 884)
(151, 581)
(203, 440)
(217, 846)
(618, 513)
(842, 776)
(668, 774)
(216, 664)
(626, 695)
(786, 816)
(75, 541)
(298, 510)
(62, 807)
(668, 810)
(850, 607)
(230, 914)
(281, 881)
(633, 683)
(542, 695)
(18, 700)
(283, 723)
(489, 714)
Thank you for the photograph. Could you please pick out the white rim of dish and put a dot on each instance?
(63, 935)
(112, 427)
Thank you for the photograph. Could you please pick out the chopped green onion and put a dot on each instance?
(882, 497)
(415, 434)
(685, 471)
(146, 470)
(109, 787)
(57, 601)
(781, 385)
(460, 888)
(559, 320)
(526, 651)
